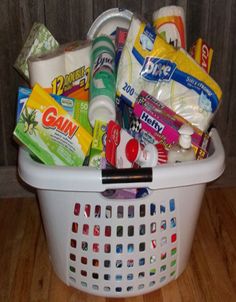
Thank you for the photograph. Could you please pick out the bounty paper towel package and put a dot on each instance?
(50, 132)
(39, 41)
(149, 63)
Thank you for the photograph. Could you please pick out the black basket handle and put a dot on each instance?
(115, 176)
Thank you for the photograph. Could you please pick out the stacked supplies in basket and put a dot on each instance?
(124, 98)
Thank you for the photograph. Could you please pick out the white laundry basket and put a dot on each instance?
(114, 247)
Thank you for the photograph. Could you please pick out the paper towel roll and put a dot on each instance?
(169, 22)
(48, 70)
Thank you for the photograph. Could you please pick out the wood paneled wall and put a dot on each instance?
(213, 20)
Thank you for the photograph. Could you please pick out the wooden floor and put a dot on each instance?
(26, 273)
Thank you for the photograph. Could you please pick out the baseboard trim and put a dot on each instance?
(11, 186)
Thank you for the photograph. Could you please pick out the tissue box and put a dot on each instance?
(39, 41)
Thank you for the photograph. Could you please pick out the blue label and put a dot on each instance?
(155, 69)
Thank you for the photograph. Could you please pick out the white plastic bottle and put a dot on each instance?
(102, 81)
(182, 151)
(149, 156)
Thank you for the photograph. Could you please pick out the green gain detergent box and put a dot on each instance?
(78, 109)
(50, 132)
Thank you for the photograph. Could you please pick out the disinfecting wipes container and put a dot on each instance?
(102, 82)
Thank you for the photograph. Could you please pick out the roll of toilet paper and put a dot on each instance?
(48, 70)
(169, 22)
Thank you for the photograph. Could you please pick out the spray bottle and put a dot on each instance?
(182, 151)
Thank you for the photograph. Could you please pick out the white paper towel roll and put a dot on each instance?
(48, 70)
(77, 57)
(169, 22)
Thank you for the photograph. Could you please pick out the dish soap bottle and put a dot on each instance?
(182, 151)
(148, 156)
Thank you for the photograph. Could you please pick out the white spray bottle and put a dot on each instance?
(182, 151)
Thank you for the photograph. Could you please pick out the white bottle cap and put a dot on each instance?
(101, 108)
(185, 132)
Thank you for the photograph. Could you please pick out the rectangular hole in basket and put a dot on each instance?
(130, 277)
(130, 263)
(77, 209)
(173, 238)
(153, 243)
(107, 231)
(95, 275)
(141, 261)
(130, 288)
(172, 204)
(119, 263)
(120, 212)
(131, 212)
(95, 287)
(84, 246)
(130, 248)
(84, 284)
(83, 273)
(153, 227)
(74, 227)
(119, 231)
(85, 229)
(107, 263)
(162, 209)
(84, 260)
(142, 229)
(163, 225)
(97, 212)
(118, 277)
(163, 268)
(96, 230)
(142, 210)
(108, 212)
(87, 210)
(152, 272)
(107, 248)
(152, 259)
(141, 286)
(72, 269)
(163, 241)
(163, 256)
(173, 222)
(173, 251)
(96, 247)
(130, 230)
(119, 248)
(72, 257)
(152, 209)
(141, 275)
(142, 246)
(95, 262)
(73, 243)
(107, 277)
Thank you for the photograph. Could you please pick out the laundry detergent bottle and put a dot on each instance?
(182, 151)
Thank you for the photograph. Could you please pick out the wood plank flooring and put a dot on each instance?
(26, 273)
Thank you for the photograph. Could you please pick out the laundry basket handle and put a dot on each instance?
(118, 176)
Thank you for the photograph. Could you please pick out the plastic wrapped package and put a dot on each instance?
(171, 75)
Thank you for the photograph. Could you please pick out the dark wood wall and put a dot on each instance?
(213, 20)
